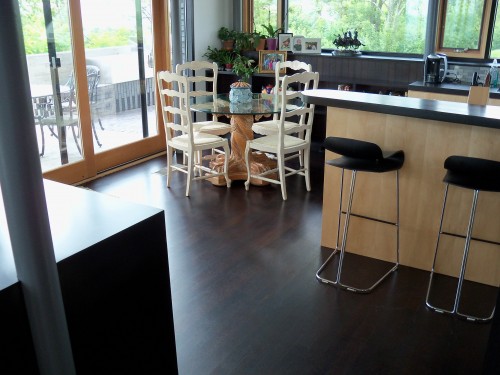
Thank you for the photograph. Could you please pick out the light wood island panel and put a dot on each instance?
(426, 143)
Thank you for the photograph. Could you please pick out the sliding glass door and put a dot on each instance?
(91, 65)
(50, 66)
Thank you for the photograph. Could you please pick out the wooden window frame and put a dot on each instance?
(479, 53)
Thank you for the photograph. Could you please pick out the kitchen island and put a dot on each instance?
(447, 91)
(428, 131)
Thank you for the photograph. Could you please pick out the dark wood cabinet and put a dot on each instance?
(370, 74)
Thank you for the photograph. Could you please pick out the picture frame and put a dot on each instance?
(312, 45)
(267, 59)
(298, 44)
(285, 41)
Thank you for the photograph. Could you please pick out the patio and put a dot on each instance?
(119, 128)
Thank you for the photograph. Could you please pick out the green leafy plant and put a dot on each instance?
(225, 34)
(271, 32)
(244, 67)
(247, 41)
(221, 56)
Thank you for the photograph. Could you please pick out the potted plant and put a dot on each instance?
(244, 42)
(227, 37)
(271, 36)
(259, 41)
(216, 55)
(244, 67)
(227, 59)
(347, 44)
(241, 91)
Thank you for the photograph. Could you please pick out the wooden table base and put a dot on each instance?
(241, 131)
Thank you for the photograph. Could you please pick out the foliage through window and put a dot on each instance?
(396, 26)
(495, 43)
(462, 24)
(265, 13)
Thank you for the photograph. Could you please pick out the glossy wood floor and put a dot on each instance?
(246, 300)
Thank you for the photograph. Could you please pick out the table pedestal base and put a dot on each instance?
(238, 170)
(241, 131)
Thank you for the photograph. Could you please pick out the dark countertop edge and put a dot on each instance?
(75, 230)
(460, 113)
(448, 88)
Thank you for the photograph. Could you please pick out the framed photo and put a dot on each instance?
(312, 45)
(298, 44)
(268, 60)
(285, 41)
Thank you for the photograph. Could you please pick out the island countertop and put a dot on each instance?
(460, 113)
(448, 88)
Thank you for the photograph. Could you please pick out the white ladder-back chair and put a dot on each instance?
(287, 141)
(271, 126)
(174, 87)
(196, 74)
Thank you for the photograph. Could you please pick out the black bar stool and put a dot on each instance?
(364, 157)
(475, 174)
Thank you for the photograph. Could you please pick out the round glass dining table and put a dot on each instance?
(242, 116)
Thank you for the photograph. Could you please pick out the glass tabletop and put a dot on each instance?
(261, 104)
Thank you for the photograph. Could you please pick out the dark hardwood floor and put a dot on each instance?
(245, 297)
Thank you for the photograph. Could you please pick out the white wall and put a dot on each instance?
(209, 17)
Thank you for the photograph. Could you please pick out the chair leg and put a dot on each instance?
(306, 155)
(76, 139)
(42, 135)
(170, 155)
(95, 133)
(282, 172)
(190, 167)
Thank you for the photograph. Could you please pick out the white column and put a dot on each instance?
(25, 206)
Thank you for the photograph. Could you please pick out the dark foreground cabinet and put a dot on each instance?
(113, 268)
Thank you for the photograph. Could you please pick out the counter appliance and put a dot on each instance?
(435, 68)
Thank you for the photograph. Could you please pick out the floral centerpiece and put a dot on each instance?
(348, 44)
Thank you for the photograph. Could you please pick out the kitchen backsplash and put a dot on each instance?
(463, 74)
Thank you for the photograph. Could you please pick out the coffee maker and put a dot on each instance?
(435, 68)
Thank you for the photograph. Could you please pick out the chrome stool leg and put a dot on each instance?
(427, 302)
(348, 214)
(461, 278)
(464, 264)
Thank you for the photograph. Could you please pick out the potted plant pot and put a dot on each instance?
(271, 44)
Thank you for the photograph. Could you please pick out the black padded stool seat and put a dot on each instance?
(473, 173)
(360, 156)
(477, 175)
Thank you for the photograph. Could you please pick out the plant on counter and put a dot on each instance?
(244, 67)
(348, 42)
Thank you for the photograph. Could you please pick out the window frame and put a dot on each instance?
(484, 44)
(484, 36)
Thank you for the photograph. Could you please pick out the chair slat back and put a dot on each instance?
(307, 81)
(200, 76)
(173, 89)
(295, 65)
